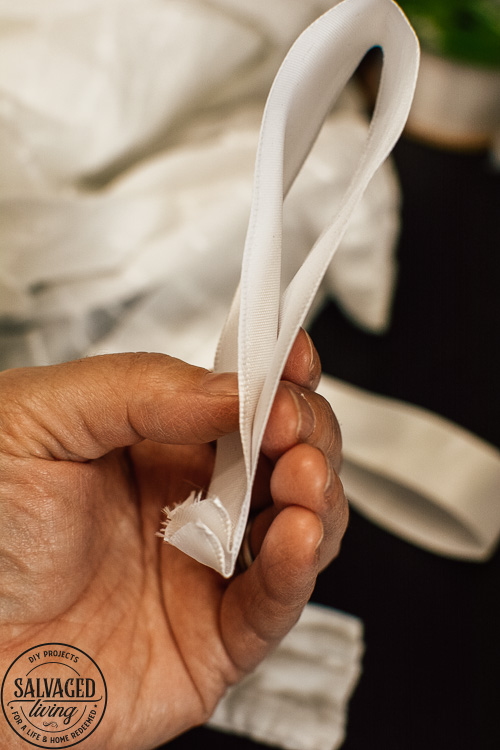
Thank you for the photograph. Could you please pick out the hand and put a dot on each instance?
(90, 453)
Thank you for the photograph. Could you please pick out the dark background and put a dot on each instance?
(431, 671)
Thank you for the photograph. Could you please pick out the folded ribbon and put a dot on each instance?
(263, 323)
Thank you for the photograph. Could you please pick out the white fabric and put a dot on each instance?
(417, 474)
(197, 257)
(297, 698)
(262, 324)
(124, 174)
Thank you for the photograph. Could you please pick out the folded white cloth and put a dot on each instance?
(297, 698)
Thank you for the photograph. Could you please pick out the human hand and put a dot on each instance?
(90, 452)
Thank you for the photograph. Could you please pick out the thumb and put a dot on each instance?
(82, 409)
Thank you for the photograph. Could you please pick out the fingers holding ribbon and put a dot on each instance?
(301, 455)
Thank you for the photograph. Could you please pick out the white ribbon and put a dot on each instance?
(263, 322)
(416, 474)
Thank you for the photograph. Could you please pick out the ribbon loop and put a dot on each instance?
(262, 326)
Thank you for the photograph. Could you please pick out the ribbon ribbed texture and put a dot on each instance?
(263, 322)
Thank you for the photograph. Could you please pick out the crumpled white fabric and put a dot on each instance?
(128, 132)
(297, 698)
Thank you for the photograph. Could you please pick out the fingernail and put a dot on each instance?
(329, 479)
(311, 352)
(320, 539)
(306, 419)
(221, 383)
(314, 363)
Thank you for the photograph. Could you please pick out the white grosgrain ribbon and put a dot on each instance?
(263, 323)
(416, 474)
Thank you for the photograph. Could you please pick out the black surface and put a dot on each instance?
(431, 672)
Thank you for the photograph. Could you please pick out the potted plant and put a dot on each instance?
(457, 101)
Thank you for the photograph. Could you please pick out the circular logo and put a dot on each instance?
(54, 695)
